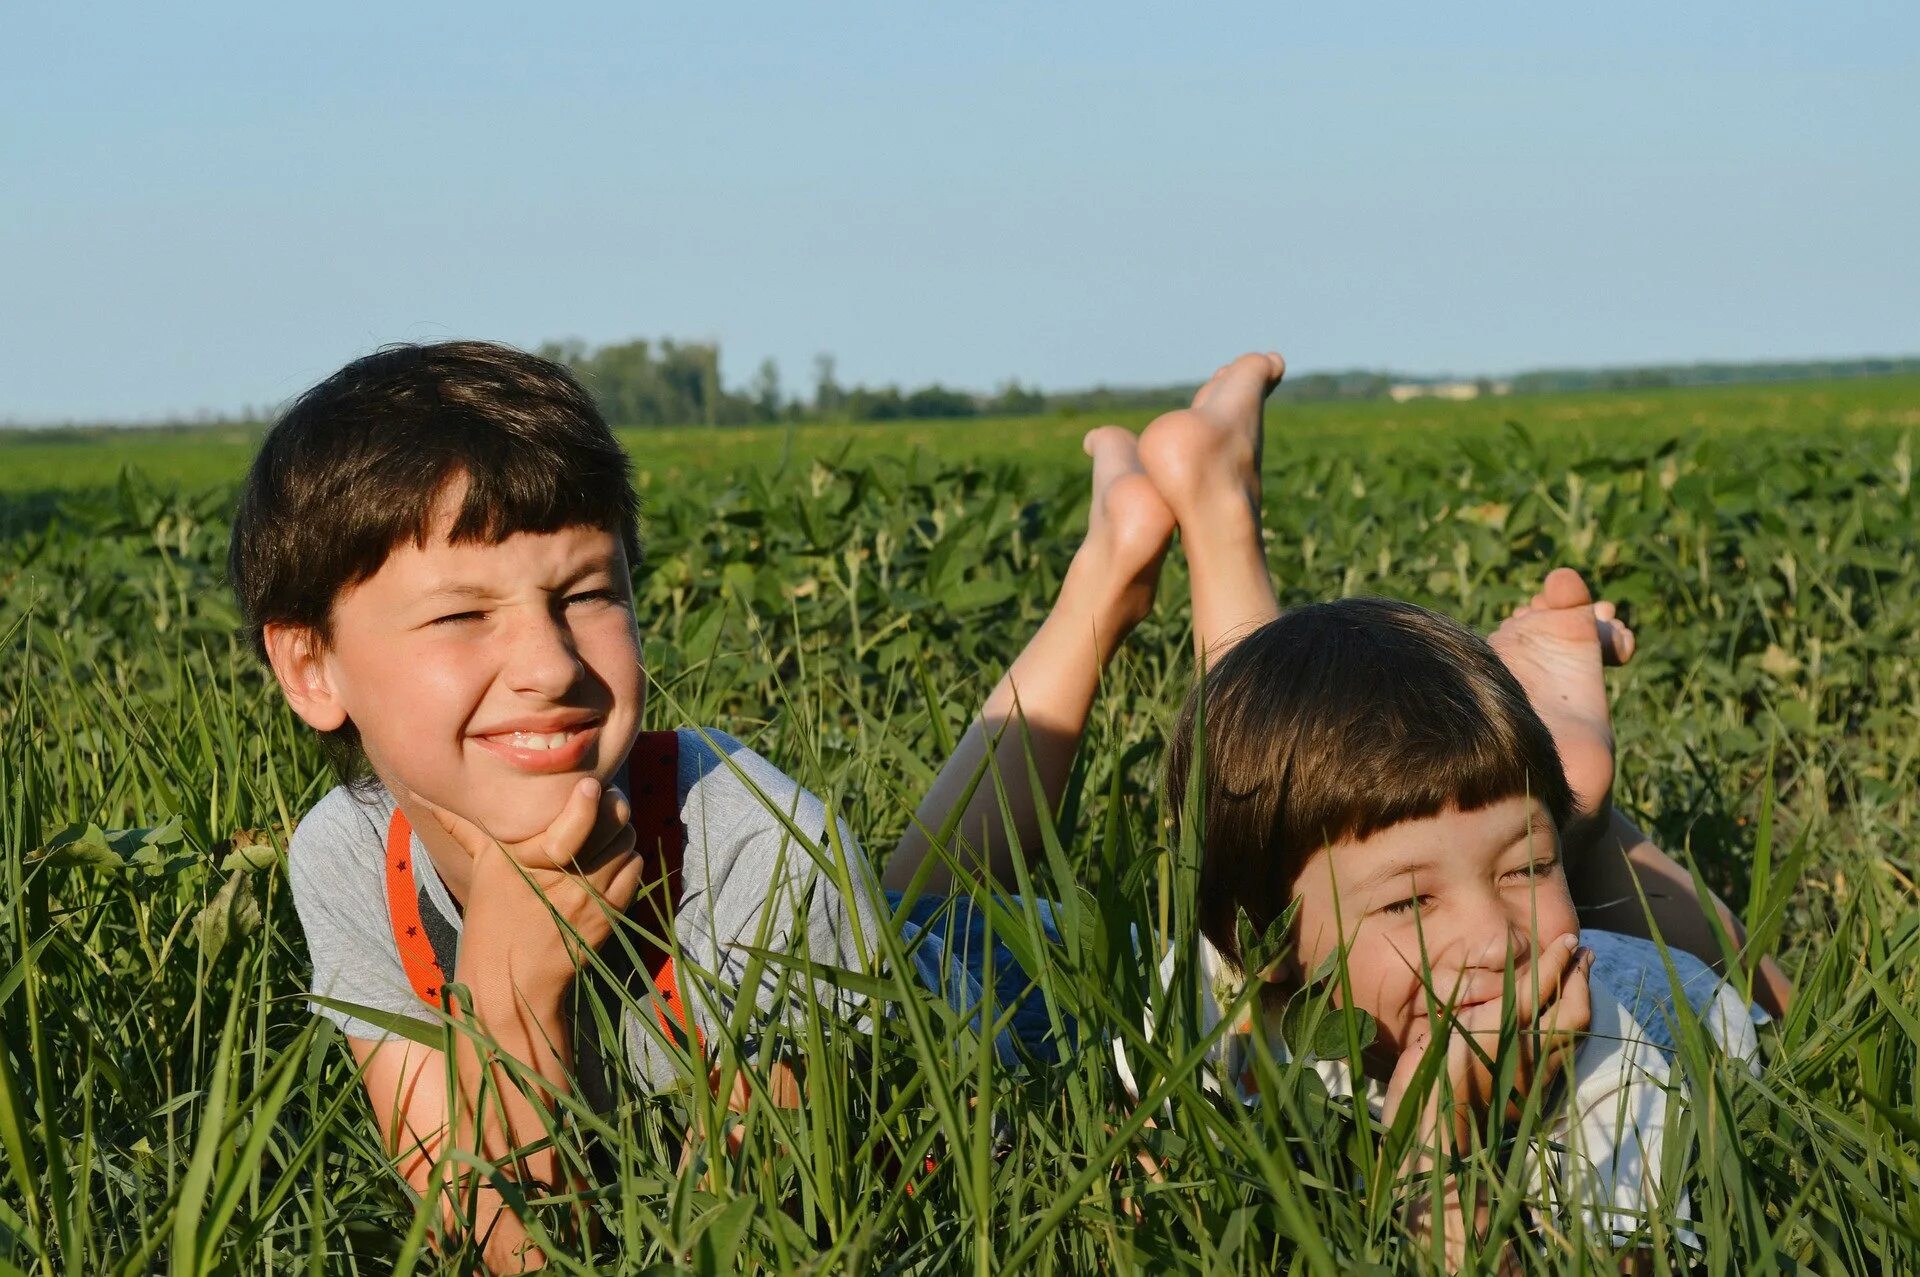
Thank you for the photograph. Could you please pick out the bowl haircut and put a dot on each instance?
(358, 464)
(1333, 722)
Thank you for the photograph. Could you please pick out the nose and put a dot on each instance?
(542, 660)
(1493, 936)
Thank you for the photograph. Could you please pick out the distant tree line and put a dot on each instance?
(675, 383)
(1557, 380)
(667, 382)
(659, 383)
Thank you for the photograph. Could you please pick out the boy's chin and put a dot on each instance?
(522, 807)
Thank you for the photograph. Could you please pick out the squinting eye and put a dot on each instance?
(454, 618)
(1538, 868)
(1405, 906)
(593, 596)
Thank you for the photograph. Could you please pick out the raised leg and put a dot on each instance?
(1205, 460)
(1043, 700)
(1557, 645)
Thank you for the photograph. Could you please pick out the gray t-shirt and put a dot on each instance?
(745, 881)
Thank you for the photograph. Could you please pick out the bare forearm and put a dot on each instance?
(1043, 700)
(502, 1110)
(1458, 1221)
(522, 1019)
(1623, 864)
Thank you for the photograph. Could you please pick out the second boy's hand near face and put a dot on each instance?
(1552, 1004)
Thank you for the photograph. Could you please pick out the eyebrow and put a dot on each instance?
(458, 590)
(1397, 869)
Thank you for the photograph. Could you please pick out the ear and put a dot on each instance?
(299, 661)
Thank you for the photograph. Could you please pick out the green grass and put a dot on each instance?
(840, 598)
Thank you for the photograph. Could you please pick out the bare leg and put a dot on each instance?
(1205, 460)
(1044, 698)
(1556, 646)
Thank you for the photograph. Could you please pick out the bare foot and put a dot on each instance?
(1128, 529)
(1557, 645)
(1199, 455)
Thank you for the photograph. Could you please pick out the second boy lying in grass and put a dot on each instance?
(1423, 800)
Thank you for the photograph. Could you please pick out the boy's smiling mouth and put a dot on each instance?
(541, 746)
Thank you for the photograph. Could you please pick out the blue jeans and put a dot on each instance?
(947, 942)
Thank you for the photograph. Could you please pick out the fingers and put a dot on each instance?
(612, 832)
(473, 840)
(1540, 988)
(1572, 1011)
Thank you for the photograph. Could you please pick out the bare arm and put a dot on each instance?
(1622, 864)
(407, 1084)
(1043, 700)
(531, 910)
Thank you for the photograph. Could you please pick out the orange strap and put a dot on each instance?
(653, 787)
(403, 907)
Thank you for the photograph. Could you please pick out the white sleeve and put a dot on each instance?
(336, 866)
(1615, 1127)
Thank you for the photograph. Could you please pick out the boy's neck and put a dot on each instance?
(450, 859)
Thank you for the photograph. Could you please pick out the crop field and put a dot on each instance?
(841, 598)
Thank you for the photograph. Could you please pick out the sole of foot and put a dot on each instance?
(1557, 646)
(1210, 450)
(1129, 524)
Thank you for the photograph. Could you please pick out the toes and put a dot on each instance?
(1115, 451)
(1270, 367)
(1616, 642)
(1603, 610)
(1565, 587)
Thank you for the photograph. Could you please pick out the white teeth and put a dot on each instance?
(538, 740)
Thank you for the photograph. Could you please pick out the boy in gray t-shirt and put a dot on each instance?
(743, 871)
(433, 551)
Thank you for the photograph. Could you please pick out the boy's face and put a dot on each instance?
(488, 679)
(1457, 896)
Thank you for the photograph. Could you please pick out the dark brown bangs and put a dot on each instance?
(361, 462)
(1339, 720)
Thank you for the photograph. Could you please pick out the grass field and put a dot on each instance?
(840, 598)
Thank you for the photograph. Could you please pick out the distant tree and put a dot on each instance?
(569, 351)
(828, 397)
(1015, 400)
(884, 404)
(765, 391)
(937, 401)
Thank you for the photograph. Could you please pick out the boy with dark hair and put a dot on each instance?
(1376, 766)
(1431, 803)
(434, 551)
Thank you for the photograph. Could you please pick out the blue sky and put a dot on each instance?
(213, 205)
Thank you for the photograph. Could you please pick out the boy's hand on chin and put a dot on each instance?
(582, 868)
(1552, 1006)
